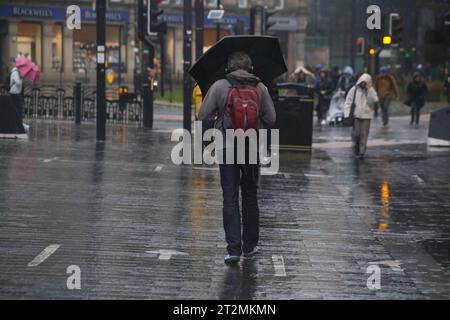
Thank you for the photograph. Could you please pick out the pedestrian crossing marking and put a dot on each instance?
(47, 252)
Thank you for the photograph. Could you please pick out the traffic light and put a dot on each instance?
(154, 25)
(387, 40)
(360, 46)
(372, 51)
(447, 27)
(395, 28)
(265, 24)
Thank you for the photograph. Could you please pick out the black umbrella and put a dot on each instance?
(265, 52)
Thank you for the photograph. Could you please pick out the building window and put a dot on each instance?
(242, 4)
(84, 49)
(57, 48)
(29, 41)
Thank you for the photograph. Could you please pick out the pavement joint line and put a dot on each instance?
(278, 265)
(41, 257)
(159, 168)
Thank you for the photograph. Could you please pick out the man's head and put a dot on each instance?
(239, 60)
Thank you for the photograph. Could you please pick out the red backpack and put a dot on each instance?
(241, 109)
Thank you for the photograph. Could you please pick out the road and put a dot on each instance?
(139, 227)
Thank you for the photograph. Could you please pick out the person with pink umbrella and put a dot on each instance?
(23, 68)
(15, 90)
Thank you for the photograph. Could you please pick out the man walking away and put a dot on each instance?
(324, 89)
(417, 90)
(365, 98)
(217, 102)
(387, 88)
(15, 90)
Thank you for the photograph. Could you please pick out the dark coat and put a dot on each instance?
(417, 92)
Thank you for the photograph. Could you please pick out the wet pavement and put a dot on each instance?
(109, 208)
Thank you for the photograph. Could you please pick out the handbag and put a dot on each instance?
(350, 120)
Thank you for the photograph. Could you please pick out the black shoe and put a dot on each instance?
(251, 253)
(229, 259)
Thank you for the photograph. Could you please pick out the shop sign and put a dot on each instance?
(52, 13)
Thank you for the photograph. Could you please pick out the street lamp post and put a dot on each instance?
(199, 13)
(187, 61)
(101, 55)
(218, 24)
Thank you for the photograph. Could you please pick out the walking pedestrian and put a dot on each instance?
(15, 90)
(361, 98)
(447, 87)
(347, 80)
(233, 175)
(324, 89)
(387, 89)
(417, 91)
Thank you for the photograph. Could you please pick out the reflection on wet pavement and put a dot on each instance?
(328, 215)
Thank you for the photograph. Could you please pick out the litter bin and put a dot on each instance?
(294, 116)
(10, 124)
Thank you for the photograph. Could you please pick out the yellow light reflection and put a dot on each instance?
(384, 214)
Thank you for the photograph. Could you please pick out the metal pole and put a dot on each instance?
(77, 96)
(199, 14)
(218, 24)
(187, 61)
(353, 36)
(101, 98)
(148, 88)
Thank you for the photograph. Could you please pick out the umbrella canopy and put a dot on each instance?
(28, 69)
(265, 52)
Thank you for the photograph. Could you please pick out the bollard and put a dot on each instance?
(77, 98)
(147, 106)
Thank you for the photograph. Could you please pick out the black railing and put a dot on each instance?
(54, 103)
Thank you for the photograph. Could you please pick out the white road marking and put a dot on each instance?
(51, 159)
(164, 254)
(418, 179)
(47, 252)
(287, 175)
(159, 168)
(206, 168)
(393, 264)
(310, 175)
(278, 265)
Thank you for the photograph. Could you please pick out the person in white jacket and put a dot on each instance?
(16, 85)
(365, 98)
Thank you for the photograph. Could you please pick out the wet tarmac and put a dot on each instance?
(109, 208)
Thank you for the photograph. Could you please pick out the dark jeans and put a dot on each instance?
(415, 113)
(384, 105)
(231, 176)
(18, 104)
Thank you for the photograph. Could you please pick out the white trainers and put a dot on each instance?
(231, 259)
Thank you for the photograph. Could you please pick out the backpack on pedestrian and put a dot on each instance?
(242, 106)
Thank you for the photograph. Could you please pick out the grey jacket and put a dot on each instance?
(216, 98)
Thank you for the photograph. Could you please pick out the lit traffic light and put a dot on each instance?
(372, 51)
(360, 46)
(387, 40)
